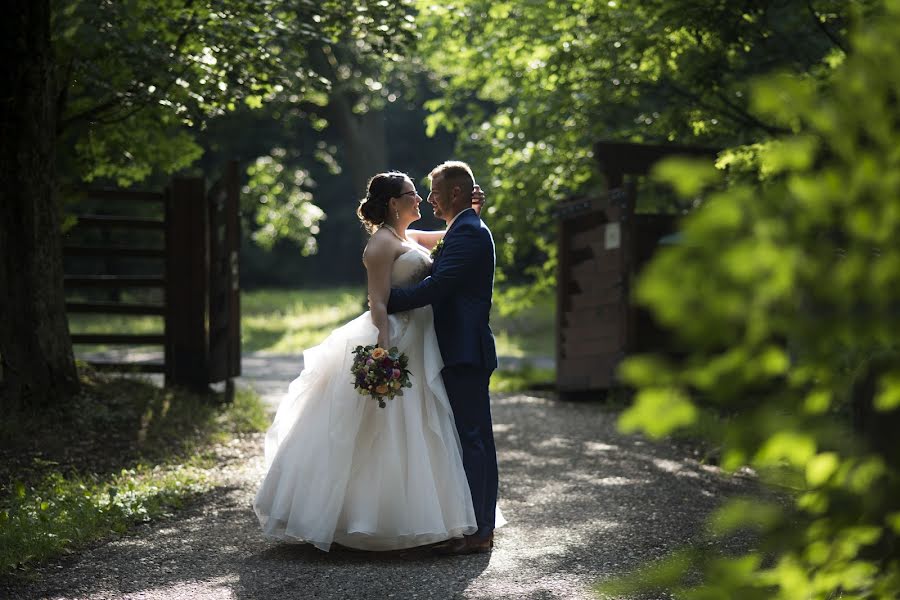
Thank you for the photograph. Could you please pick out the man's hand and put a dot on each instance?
(477, 199)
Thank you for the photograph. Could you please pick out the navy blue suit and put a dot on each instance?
(459, 290)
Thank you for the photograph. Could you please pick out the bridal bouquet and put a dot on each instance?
(380, 373)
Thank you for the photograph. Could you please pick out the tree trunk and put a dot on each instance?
(365, 144)
(37, 366)
(365, 154)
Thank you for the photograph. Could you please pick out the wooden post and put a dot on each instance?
(629, 271)
(233, 244)
(187, 280)
(224, 288)
(562, 294)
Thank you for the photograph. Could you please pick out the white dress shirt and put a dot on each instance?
(450, 222)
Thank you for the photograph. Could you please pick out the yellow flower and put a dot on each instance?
(379, 353)
(396, 384)
(381, 389)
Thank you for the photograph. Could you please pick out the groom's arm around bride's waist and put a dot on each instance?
(460, 255)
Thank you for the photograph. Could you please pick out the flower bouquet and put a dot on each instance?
(380, 373)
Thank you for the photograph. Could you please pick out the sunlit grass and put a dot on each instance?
(122, 452)
(134, 324)
(289, 321)
(63, 512)
(529, 332)
(524, 378)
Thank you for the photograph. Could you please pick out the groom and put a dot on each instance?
(459, 289)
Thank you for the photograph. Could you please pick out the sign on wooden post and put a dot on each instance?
(603, 245)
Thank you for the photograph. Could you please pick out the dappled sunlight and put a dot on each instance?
(618, 481)
(289, 321)
(556, 442)
(670, 466)
(507, 345)
(583, 502)
(217, 588)
(596, 447)
(576, 492)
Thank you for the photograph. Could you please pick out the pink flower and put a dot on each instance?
(396, 374)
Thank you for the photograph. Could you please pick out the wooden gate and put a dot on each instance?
(189, 241)
(592, 317)
(603, 244)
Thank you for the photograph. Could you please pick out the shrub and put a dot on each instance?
(786, 295)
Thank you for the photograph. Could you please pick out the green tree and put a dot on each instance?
(36, 360)
(785, 296)
(529, 87)
(113, 88)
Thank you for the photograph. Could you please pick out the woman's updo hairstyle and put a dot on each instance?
(373, 209)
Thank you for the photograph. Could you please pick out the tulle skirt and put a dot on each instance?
(341, 469)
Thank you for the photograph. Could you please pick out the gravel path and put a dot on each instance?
(583, 501)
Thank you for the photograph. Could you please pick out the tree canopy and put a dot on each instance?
(140, 81)
(529, 87)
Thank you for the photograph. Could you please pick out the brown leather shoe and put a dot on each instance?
(465, 545)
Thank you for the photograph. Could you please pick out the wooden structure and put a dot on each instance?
(193, 253)
(603, 243)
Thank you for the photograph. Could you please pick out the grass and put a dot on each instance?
(289, 321)
(88, 323)
(123, 452)
(526, 377)
(529, 332)
(96, 323)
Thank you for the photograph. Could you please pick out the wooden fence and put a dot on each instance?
(603, 243)
(194, 253)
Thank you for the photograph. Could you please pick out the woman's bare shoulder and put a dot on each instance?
(381, 247)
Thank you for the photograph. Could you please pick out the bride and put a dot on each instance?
(341, 469)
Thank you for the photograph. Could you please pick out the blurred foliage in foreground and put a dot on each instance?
(786, 298)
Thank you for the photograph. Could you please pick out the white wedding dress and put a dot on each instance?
(341, 469)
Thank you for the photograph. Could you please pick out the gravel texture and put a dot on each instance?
(583, 501)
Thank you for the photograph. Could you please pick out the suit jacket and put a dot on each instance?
(459, 289)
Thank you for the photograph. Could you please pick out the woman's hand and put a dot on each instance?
(477, 199)
(384, 336)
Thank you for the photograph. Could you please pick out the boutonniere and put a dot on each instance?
(436, 251)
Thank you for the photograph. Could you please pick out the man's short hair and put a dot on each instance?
(455, 172)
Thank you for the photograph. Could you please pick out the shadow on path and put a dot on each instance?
(583, 503)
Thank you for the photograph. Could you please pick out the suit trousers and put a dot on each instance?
(467, 389)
